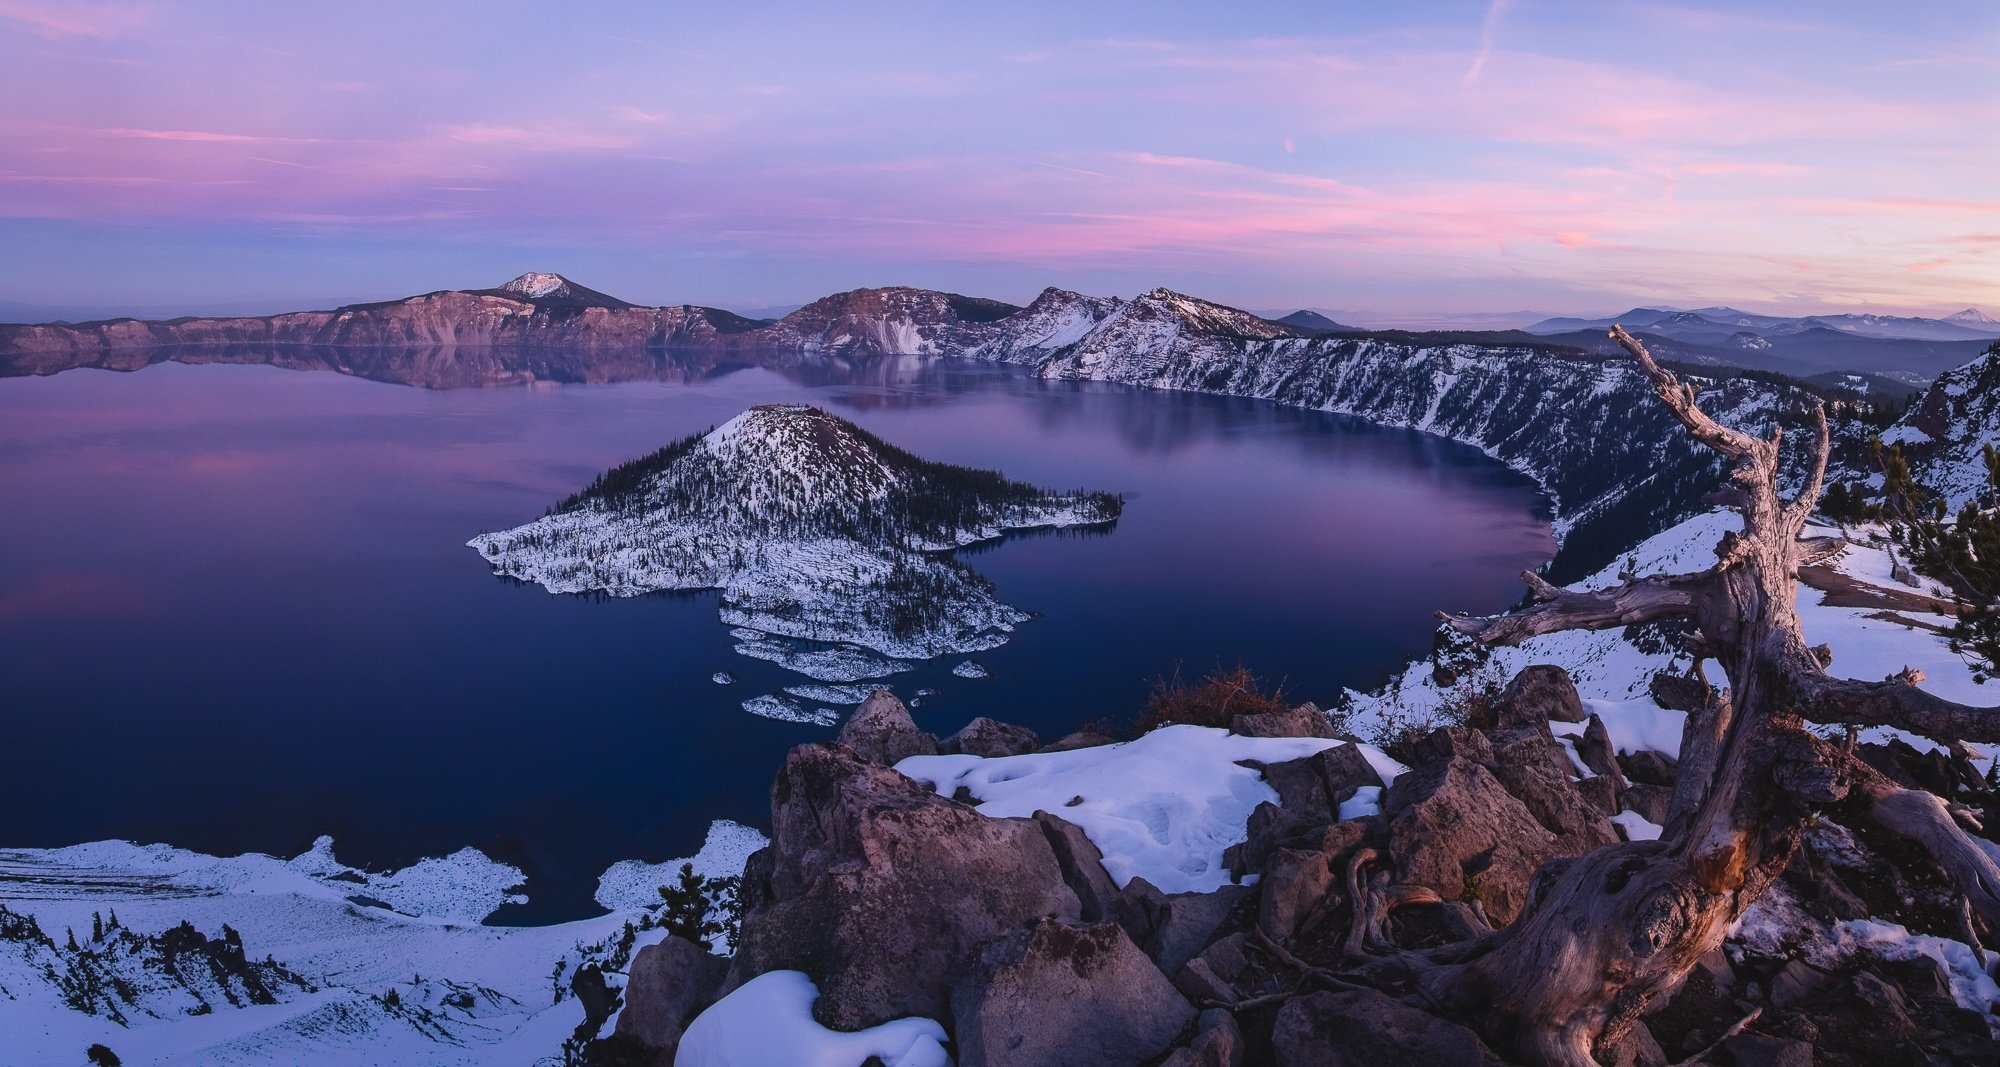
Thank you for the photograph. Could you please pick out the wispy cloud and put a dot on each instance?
(1488, 29)
(74, 18)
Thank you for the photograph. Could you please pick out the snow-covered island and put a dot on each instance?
(813, 528)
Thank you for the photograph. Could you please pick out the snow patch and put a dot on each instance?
(768, 1022)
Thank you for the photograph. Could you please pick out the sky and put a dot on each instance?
(1410, 160)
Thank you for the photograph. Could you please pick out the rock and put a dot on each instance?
(1088, 737)
(1535, 770)
(989, 738)
(1603, 794)
(881, 731)
(1368, 1029)
(1637, 1049)
(1452, 742)
(1757, 1050)
(669, 984)
(1796, 981)
(1065, 994)
(1082, 866)
(1595, 750)
(1539, 694)
(1454, 828)
(1292, 887)
(1651, 802)
(1647, 767)
(1212, 976)
(1678, 692)
(1313, 787)
(1173, 928)
(1218, 1042)
(1306, 720)
(1268, 827)
(882, 892)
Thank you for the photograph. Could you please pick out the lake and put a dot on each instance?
(237, 611)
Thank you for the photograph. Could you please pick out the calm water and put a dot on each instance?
(236, 611)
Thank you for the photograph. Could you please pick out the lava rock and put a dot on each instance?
(1647, 767)
(1313, 787)
(1594, 748)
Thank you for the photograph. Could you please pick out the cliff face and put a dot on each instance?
(1946, 430)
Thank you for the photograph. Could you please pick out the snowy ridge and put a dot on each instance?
(813, 530)
(174, 977)
(1589, 431)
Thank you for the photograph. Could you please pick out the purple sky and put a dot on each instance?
(1408, 159)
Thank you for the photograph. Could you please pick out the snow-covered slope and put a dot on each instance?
(1589, 430)
(812, 528)
(166, 956)
(1613, 669)
(1946, 430)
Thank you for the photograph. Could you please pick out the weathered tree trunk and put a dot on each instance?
(1606, 933)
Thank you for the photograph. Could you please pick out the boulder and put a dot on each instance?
(1536, 771)
(1173, 928)
(1292, 887)
(1651, 802)
(1306, 720)
(1082, 866)
(1449, 743)
(990, 737)
(668, 985)
(1455, 828)
(1268, 827)
(1064, 994)
(882, 891)
(881, 731)
(1218, 1042)
(1675, 691)
(1539, 694)
(1367, 1029)
(1594, 748)
(1603, 794)
(1212, 976)
(1088, 737)
(1313, 787)
(1650, 768)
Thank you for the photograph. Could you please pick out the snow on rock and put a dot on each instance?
(1637, 827)
(812, 528)
(1634, 726)
(969, 669)
(826, 663)
(832, 694)
(722, 678)
(1971, 985)
(1366, 801)
(768, 1022)
(1163, 807)
(463, 993)
(631, 884)
(784, 709)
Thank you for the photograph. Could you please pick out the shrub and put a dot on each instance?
(1214, 701)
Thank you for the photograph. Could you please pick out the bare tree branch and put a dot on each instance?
(1801, 508)
(1679, 398)
(1893, 702)
(1637, 601)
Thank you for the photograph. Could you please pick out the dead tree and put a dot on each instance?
(1608, 932)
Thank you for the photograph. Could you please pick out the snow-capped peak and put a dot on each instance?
(1974, 316)
(535, 285)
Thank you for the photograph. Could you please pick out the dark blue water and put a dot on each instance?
(236, 611)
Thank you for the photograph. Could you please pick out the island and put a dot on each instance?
(812, 528)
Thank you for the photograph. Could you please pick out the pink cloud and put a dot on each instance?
(75, 18)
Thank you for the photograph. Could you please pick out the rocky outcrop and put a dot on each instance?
(884, 893)
(882, 732)
(668, 984)
(1063, 994)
